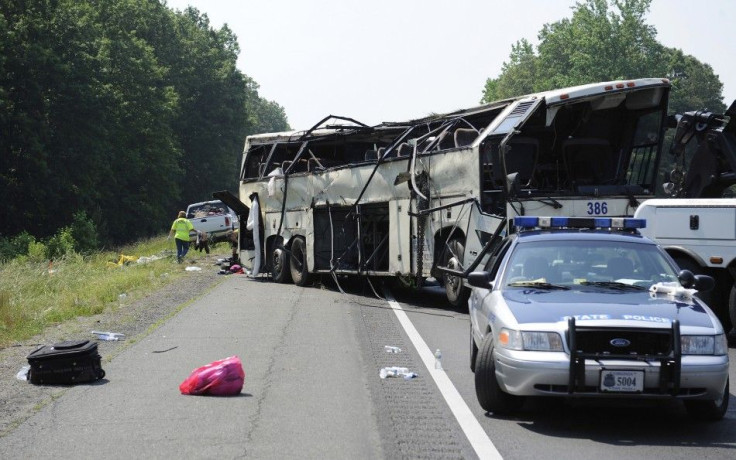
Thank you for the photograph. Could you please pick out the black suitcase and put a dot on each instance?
(65, 363)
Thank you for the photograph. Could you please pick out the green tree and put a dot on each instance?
(263, 116)
(695, 85)
(604, 40)
(211, 122)
(518, 76)
(122, 109)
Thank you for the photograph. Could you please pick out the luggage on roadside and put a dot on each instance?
(224, 377)
(65, 363)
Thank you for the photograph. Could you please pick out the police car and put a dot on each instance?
(587, 307)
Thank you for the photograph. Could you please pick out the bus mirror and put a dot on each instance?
(704, 283)
(672, 120)
(512, 184)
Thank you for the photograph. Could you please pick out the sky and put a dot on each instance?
(395, 60)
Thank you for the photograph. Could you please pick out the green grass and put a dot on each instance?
(35, 295)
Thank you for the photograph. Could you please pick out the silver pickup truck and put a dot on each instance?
(213, 218)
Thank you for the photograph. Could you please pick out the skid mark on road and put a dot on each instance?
(477, 437)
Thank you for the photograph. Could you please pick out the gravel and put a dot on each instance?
(135, 318)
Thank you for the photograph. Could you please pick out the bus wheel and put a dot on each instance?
(456, 293)
(732, 313)
(298, 262)
(280, 265)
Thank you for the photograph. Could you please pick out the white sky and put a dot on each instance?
(394, 60)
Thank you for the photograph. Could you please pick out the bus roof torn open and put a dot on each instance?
(422, 198)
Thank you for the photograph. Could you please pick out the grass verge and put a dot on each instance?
(35, 295)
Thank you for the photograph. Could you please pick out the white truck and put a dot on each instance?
(213, 218)
(700, 234)
(697, 224)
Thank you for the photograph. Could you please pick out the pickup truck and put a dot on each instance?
(213, 218)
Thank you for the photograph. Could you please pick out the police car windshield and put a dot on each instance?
(601, 264)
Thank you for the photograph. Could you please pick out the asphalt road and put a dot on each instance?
(312, 390)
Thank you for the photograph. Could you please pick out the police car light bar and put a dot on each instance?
(579, 222)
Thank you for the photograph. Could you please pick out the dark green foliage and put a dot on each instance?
(84, 233)
(59, 245)
(605, 40)
(121, 109)
(10, 248)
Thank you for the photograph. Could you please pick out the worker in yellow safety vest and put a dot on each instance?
(181, 226)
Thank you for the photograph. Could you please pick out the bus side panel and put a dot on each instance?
(400, 240)
(309, 238)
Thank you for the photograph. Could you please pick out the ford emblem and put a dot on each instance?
(620, 343)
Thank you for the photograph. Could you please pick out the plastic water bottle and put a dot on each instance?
(438, 359)
(392, 372)
(390, 349)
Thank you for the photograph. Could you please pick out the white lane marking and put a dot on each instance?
(471, 427)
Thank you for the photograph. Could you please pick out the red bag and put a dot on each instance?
(220, 378)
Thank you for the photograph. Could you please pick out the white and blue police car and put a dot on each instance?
(587, 307)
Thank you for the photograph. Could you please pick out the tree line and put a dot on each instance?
(116, 114)
(605, 40)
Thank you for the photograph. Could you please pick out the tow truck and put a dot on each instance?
(696, 223)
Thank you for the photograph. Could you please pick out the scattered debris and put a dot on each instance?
(387, 372)
(65, 363)
(23, 373)
(164, 351)
(219, 378)
(193, 269)
(145, 260)
(391, 349)
(109, 336)
(672, 289)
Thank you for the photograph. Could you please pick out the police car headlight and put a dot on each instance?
(509, 338)
(529, 341)
(704, 344)
(542, 341)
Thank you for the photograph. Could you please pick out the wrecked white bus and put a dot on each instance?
(426, 198)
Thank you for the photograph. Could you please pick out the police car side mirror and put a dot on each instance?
(704, 283)
(480, 280)
(686, 278)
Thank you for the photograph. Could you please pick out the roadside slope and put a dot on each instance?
(19, 399)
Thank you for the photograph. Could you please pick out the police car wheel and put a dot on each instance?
(280, 266)
(298, 262)
(457, 294)
(473, 350)
(490, 395)
(709, 410)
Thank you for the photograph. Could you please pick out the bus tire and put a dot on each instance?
(732, 313)
(298, 262)
(280, 265)
(457, 294)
